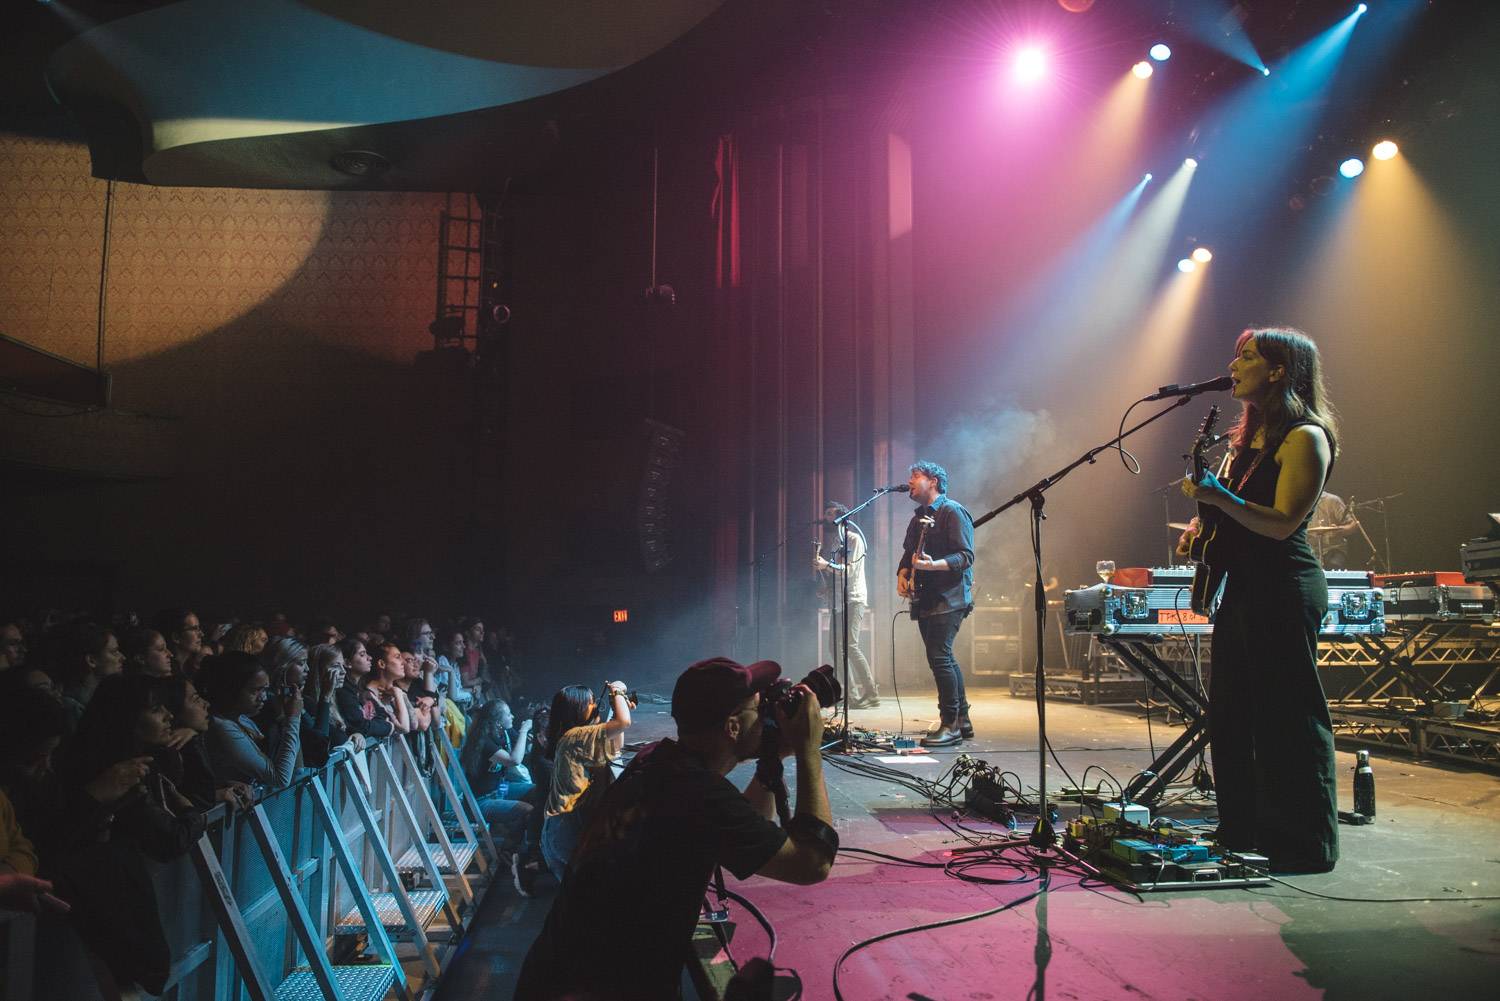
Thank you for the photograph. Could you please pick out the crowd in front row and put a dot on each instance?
(116, 740)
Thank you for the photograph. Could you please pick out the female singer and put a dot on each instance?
(1269, 728)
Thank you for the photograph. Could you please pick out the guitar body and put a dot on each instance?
(1207, 578)
(908, 584)
(824, 590)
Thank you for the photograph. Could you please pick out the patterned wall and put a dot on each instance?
(186, 261)
(278, 327)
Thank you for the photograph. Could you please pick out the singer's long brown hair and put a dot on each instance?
(1300, 396)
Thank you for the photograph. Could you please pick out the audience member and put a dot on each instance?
(450, 667)
(236, 688)
(493, 760)
(247, 637)
(108, 886)
(286, 662)
(55, 817)
(146, 652)
(322, 631)
(91, 655)
(12, 645)
(581, 751)
(387, 668)
(638, 875)
(527, 865)
(362, 712)
(420, 689)
(187, 766)
(473, 663)
(184, 636)
(326, 671)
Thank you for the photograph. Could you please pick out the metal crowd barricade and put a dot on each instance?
(267, 905)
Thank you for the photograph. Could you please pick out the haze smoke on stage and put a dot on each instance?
(988, 452)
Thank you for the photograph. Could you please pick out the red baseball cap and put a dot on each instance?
(707, 693)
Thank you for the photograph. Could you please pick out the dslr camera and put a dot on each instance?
(822, 681)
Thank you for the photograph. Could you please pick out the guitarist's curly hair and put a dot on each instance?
(933, 470)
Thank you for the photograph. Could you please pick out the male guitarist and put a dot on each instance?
(863, 692)
(937, 573)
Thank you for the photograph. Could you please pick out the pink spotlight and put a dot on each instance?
(1030, 64)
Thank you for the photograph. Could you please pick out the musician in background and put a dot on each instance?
(863, 693)
(938, 577)
(1333, 525)
(1269, 728)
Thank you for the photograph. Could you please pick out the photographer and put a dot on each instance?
(622, 925)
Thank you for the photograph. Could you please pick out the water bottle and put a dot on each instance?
(1364, 785)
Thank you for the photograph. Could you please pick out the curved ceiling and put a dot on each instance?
(220, 92)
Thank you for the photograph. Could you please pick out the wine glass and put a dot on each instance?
(1105, 569)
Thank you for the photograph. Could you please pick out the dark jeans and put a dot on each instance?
(861, 678)
(938, 631)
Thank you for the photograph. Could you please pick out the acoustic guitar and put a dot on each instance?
(1207, 578)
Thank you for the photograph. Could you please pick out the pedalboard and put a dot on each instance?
(1145, 859)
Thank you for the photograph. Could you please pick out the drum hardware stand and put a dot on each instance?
(1044, 835)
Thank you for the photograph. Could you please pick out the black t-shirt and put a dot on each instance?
(623, 923)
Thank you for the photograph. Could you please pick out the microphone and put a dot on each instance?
(894, 487)
(1192, 389)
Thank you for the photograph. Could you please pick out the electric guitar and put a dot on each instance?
(1206, 577)
(907, 582)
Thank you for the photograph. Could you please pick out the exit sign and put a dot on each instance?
(622, 615)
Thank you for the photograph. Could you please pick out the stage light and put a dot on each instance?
(1146, 179)
(1265, 71)
(1361, 8)
(1352, 167)
(1190, 163)
(1384, 150)
(1142, 69)
(1202, 255)
(1029, 65)
(1161, 52)
(1186, 265)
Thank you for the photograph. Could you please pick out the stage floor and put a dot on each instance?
(1436, 837)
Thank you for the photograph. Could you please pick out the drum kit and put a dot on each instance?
(1328, 541)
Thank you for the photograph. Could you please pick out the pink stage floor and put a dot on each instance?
(1436, 838)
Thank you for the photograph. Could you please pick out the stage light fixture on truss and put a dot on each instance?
(1385, 150)
(1142, 69)
(1202, 255)
(1161, 52)
(1187, 265)
(1352, 167)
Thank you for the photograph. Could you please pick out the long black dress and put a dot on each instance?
(1269, 728)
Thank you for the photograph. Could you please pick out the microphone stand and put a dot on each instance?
(845, 744)
(1044, 835)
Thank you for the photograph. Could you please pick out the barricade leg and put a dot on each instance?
(392, 877)
(404, 815)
